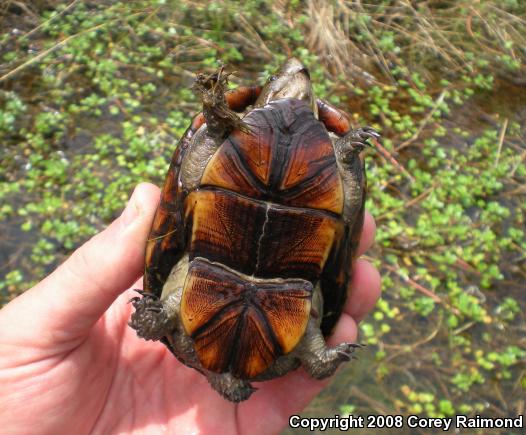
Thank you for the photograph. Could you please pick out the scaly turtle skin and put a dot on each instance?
(249, 257)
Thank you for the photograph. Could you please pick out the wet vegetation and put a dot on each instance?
(94, 95)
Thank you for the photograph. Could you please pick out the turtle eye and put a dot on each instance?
(272, 78)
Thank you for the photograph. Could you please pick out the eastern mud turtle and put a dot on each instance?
(249, 256)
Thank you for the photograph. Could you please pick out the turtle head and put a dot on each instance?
(292, 80)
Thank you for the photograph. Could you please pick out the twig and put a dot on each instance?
(423, 290)
(463, 328)
(60, 44)
(424, 122)
(466, 267)
(518, 190)
(377, 406)
(62, 12)
(409, 203)
(46, 52)
(24, 7)
(501, 141)
(388, 156)
(405, 348)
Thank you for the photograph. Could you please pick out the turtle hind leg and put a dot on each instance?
(149, 320)
(231, 388)
(220, 119)
(317, 358)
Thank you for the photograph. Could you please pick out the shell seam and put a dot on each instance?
(267, 208)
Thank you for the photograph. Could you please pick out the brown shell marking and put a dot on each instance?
(165, 243)
(241, 325)
(287, 158)
(337, 273)
(260, 239)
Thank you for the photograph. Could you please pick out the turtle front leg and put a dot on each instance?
(220, 118)
(240, 98)
(317, 358)
(334, 119)
(350, 145)
(150, 319)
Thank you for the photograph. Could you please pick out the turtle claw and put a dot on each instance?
(361, 135)
(324, 363)
(368, 133)
(149, 320)
(354, 142)
(346, 350)
(351, 348)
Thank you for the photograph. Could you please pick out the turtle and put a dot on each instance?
(249, 258)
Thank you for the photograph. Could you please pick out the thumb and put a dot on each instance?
(65, 305)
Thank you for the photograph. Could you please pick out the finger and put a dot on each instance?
(368, 232)
(364, 290)
(69, 301)
(346, 331)
(269, 409)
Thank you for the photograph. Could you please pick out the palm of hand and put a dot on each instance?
(110, 381)
(133, 384)
(69, 363)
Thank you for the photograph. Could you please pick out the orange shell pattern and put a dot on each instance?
(240, 325)
(259, 239)
(269, 207)
(287, 158)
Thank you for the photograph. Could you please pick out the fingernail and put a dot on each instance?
(131, 212)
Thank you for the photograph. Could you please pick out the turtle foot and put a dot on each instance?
(231, 388)
(324, 363)
(149, 319)
(317, 358)
(220, 119)
(364, 133)
(354, 142)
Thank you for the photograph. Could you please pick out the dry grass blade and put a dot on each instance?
(57, 46)
(54, 17)
(424, 122)
(501, 141)
(329, 34)
(255, 39)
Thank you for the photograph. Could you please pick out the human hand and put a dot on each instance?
(69, 363)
